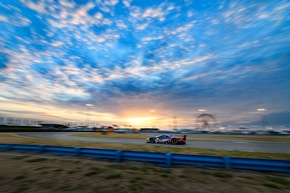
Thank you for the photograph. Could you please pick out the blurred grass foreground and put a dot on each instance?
(39, 173)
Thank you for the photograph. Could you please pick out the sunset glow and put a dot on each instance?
(145, 62)
(140, 122)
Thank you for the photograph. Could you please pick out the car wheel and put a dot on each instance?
(174, 141)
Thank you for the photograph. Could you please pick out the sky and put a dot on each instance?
(143, 62)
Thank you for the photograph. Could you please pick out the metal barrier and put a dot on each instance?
(163, 159)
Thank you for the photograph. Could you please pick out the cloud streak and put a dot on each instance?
(129, 56)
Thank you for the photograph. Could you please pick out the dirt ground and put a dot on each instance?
(44, 173)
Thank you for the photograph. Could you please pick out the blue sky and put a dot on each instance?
(127, 57)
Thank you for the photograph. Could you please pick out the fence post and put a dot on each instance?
(8, 147)
(77, 151)
(227, 162)
(40, 148)
(118, 156)
(168, 159)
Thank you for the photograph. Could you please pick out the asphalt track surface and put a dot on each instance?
(241, 145)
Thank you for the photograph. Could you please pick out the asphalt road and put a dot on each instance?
(241, 145)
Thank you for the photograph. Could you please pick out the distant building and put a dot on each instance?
(126, 130)
(53, 126)
(149, 129)
(107, 128)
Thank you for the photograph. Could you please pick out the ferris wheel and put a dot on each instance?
(206, 121)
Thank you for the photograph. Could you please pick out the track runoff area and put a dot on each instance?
(192, 141)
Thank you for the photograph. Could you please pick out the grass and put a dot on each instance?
(182, 176)
(103, 176)
(9, 138)
(139, 178)
(20, 177)
(189, 137)
(91, 173)
(40, 168)
(164, 175)
(20, 157)
(222, 175)
(278, 180)
(36, 160)
(249, 138)
(247, 177)
(94, 168)
(133, 180)
(271, 185)
(113, 176)
(121, 167)
(71, 172)
(113, 135)
(18, 128)
(164, 171)
(22, 188)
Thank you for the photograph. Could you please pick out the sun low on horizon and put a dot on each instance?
(145, 63)
(140, 121)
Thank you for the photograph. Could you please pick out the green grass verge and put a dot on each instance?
(112, 135)
(279, 180)
(18, 128)
(189, 137)
(271, 185)
(249, 138)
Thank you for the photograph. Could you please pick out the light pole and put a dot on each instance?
(88, 117)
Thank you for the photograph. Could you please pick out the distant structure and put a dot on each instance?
(149, 129)
(206, 121)
(53, 126)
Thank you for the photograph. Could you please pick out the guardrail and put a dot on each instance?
(163, 159)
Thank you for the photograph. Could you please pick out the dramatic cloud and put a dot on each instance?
(127, 57)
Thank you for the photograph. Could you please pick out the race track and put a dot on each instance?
(241, 145)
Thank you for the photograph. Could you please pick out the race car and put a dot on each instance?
(167, 139)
